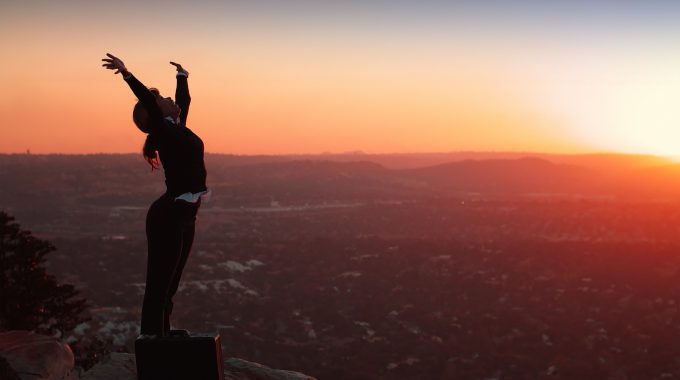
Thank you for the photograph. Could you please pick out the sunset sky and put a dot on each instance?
(331, 76)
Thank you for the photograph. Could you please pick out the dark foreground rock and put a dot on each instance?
(121, 366)
(117, 366)
(239, 369)
(28, 356)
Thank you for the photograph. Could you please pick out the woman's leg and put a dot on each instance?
(164, 237)
(187, 240)
(188, 217)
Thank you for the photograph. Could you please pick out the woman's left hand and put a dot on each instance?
(180, 69)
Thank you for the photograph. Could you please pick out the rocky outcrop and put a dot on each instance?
(239, 369)
(34, 356)
(122, 367)
(28, 356)
(117, 366)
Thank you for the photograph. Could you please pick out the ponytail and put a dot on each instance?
(141, 118)
(150, 151)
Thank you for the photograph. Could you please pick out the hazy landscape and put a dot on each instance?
(355, 266)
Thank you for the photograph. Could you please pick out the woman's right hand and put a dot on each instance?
(180, 69)
(114, 63)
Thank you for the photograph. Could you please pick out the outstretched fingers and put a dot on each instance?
(112, 59)
(111, 66)
(113, 63)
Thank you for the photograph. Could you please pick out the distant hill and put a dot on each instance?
(598, 161)
(528, 174)
(126, 179)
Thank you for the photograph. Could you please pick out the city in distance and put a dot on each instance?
(451, 265)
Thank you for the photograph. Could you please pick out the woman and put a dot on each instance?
(170, 220)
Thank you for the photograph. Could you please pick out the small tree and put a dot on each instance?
(30, 299)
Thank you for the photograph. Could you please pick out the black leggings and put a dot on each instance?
(169, 233)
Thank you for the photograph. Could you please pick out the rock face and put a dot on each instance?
(34, 356)
(122, 367)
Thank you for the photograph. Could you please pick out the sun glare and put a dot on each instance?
(632, 110)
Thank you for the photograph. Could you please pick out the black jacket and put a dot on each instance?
(180, 150)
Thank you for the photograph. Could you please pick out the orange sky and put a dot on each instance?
(313, 79)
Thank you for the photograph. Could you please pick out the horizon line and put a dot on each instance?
(363, 153)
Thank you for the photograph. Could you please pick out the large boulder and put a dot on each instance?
(33, 356)
(121, 366)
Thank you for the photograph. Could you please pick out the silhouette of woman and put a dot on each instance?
(170, 220)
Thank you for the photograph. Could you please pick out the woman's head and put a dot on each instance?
(141, 117)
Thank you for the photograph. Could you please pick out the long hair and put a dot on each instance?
(150, 151)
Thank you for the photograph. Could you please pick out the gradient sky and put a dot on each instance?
(378, 76)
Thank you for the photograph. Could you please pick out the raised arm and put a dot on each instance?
(182, 97)
(145, 96)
